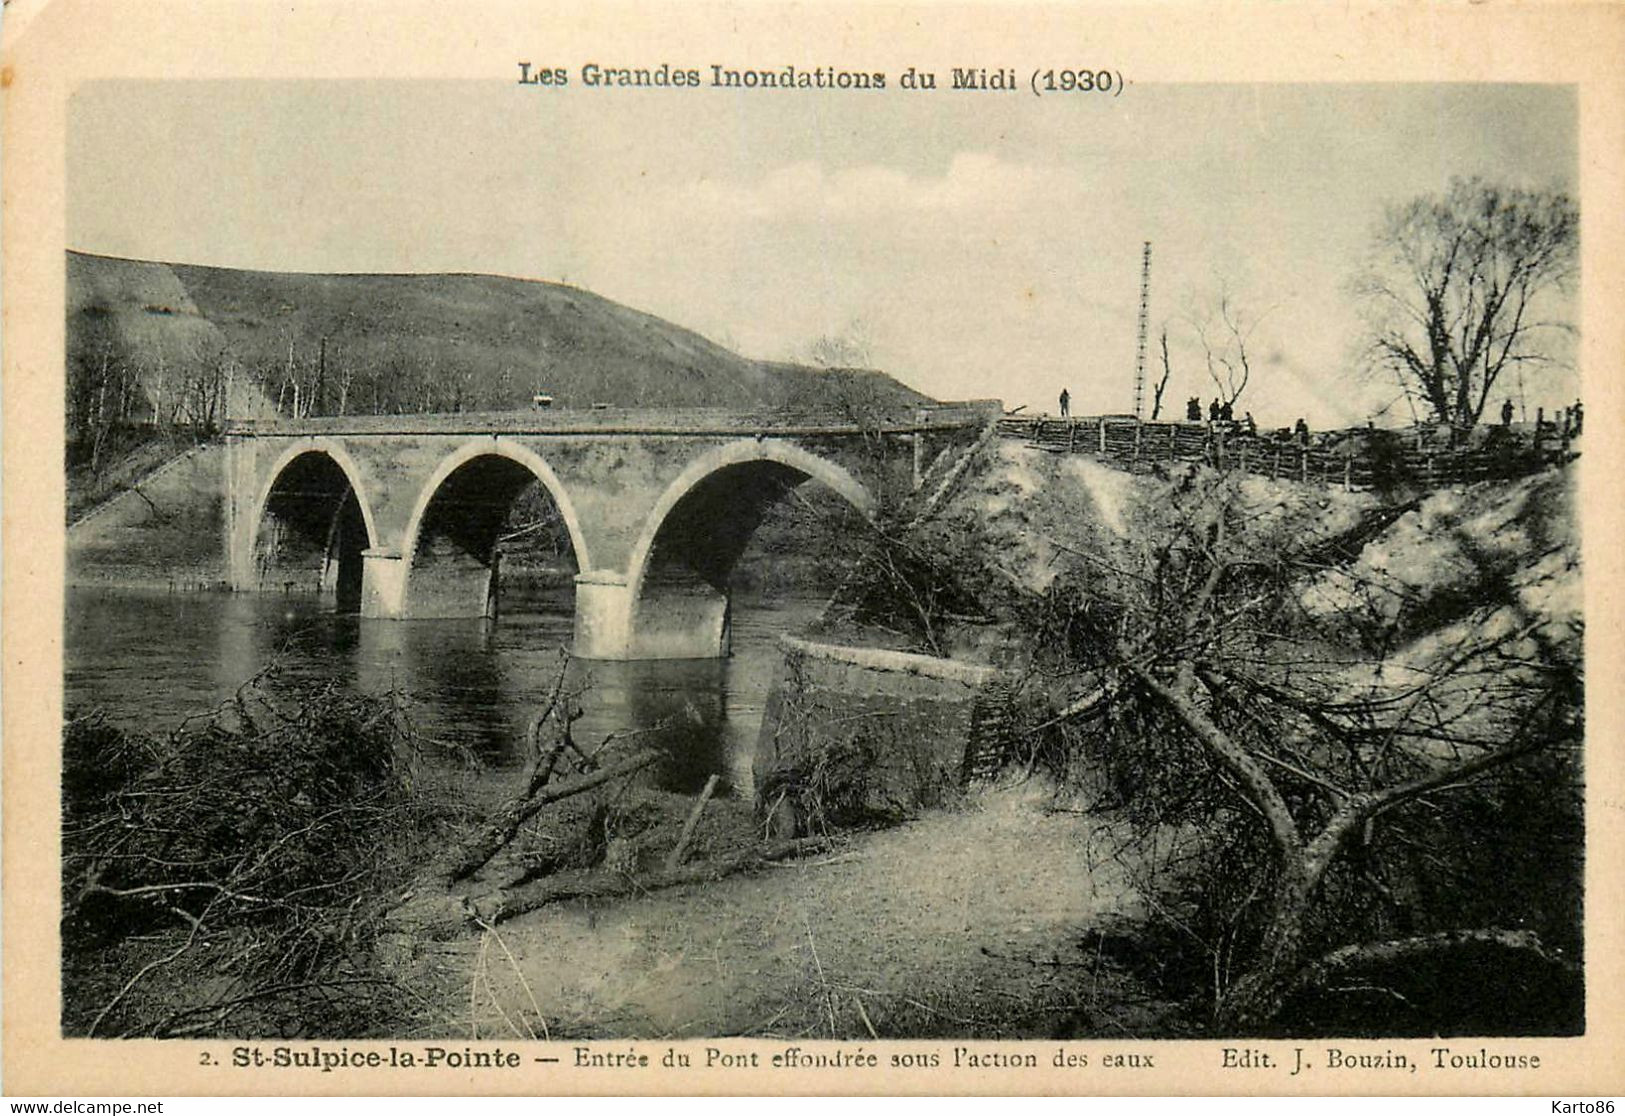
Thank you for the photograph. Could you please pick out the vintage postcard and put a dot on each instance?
(844, 548)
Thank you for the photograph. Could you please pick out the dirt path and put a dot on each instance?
(952, 925)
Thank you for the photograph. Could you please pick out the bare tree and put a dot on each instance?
(1224, 333)
(345, 374)
(851, 348)
(206, 376)
(1459, 289)
(1314, 774)
(1326, 770)
(103, 388)
(1162, 384)
(1216, 322)
(289, 391)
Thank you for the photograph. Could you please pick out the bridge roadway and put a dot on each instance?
(398, 516)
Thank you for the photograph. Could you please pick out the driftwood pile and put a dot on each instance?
(465, 887)
(265, 863)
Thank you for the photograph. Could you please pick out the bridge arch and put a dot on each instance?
(317, 487)
(468, 455)
(705, 518)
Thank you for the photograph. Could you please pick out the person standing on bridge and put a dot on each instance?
(1506, 413)
(1066, 403)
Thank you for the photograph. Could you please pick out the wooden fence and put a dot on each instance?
(1360, 458)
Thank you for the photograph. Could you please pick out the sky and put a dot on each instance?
(973, 245)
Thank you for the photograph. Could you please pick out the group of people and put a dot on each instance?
(1224, 411)
(1216, 411)
(1573, 417)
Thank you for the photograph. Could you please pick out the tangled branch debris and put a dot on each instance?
(256, 835)
(260, 868)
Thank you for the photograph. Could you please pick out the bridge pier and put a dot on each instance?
(383, 584)
(603, 615)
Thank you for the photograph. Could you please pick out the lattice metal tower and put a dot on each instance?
(1139, 346)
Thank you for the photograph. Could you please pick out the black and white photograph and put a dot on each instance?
(751, 553)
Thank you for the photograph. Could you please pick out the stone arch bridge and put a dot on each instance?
(400, 516)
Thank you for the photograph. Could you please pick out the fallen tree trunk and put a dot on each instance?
(504, 903)
(1370, 954)
(676, 856)
(468, 857)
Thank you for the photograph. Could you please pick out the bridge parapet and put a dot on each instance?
(630, 421)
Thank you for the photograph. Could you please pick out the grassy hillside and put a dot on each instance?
(138, 345)
(405, 343)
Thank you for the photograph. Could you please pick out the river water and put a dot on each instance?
(151, 658)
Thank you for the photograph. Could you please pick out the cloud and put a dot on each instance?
(973, 183)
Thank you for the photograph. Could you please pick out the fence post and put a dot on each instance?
(1275, 473)
(1173, 441)
(1348, 473)
(1303, 463)
(919, 449)
(1101, 431)
(1071, 435)
(1137, 429)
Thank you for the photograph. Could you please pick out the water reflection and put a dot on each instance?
(150, 659)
